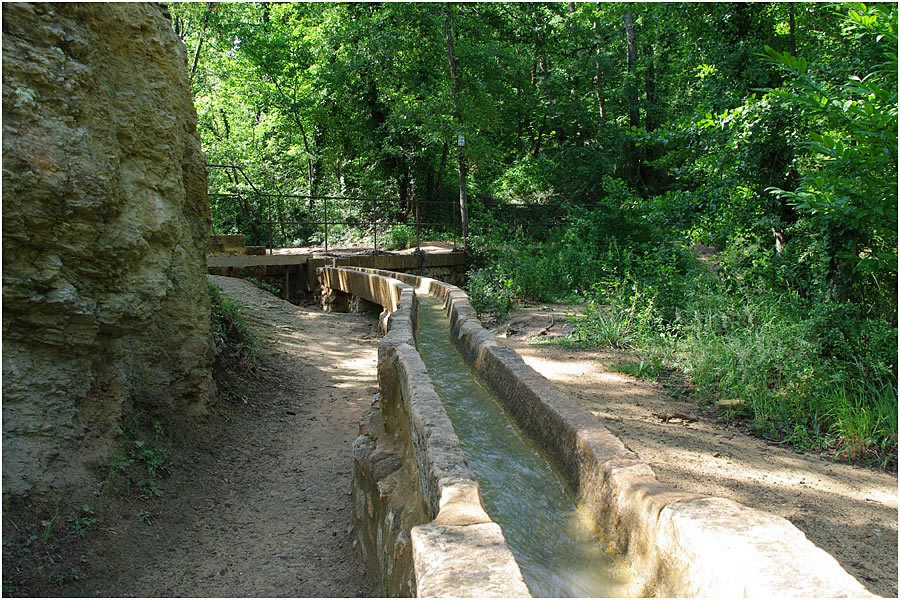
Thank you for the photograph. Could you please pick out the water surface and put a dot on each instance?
(557, 549)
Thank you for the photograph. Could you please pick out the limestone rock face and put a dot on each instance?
(105, 225)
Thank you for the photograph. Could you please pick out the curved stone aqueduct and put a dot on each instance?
(419, 519)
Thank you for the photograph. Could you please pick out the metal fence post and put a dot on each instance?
(453, 222)
(418, 228)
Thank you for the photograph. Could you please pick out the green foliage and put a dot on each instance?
(739, 126)
(147, 516)
(849, 183)
(83, 520)
(150, 452)
(272, 289)
(71, 575)
(143, 455)
(488, 293)
(400, 237)
(236, 344)
(527, 180)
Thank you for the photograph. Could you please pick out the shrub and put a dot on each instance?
(400, 237)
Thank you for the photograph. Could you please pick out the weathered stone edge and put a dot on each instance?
(415, 415)
(677, 544)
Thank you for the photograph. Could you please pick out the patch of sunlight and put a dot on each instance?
(569, 371)
(787, 478)
(361, 364)
(881, 496)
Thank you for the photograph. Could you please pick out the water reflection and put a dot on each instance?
(557, 550)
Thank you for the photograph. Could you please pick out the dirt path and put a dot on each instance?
(261, 508)
(848, 511)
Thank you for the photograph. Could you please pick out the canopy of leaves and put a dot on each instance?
(766, 132)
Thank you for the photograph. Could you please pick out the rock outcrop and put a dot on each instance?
(105, 231)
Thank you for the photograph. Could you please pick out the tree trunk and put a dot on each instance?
(779, 240)
(225, 123)
(598, 90)
(632, 99)
(536, 151)
(633, 114)
(460, 156)
(442, 168)
(792, 47)
(650, 89)
(404, 183)
(315, 165)
(294, 113)
(200, 42)
(196, 57)
(598, 77)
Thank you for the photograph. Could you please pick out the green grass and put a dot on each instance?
(644, 369)
(605, 326)
(770, 357)
(863, 421)
(236, 344)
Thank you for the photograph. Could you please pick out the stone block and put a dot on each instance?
(470, 561)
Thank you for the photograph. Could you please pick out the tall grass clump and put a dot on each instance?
(783, 364)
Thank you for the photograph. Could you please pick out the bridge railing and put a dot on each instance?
(371, 217)
(262, 213)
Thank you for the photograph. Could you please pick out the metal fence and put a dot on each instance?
(371, 215)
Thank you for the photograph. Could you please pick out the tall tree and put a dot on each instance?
(460, 146)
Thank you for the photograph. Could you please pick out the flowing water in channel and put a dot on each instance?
(557, 549)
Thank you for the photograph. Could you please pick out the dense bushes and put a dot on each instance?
(785, 168)
(820, 376)
(819, 373)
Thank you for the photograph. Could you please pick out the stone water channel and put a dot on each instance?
(558, 551)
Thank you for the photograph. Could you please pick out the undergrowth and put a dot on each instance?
(235, 343)
(263, 285)
(749, 328)
(46, 545)
(142, 457)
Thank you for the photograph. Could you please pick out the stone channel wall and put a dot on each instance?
(417, 510)
(298, 281)
(676, 544)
